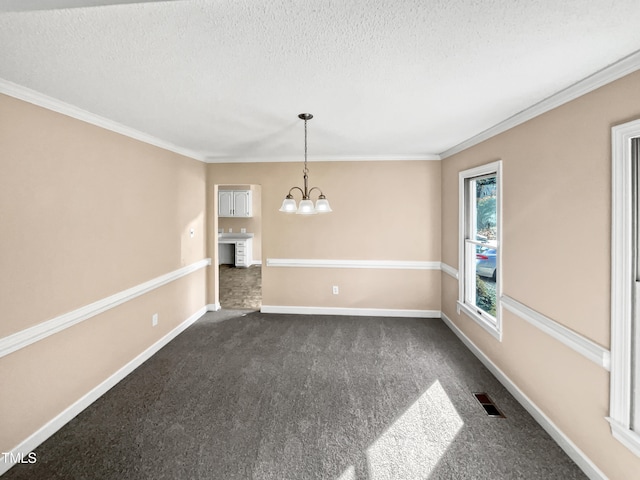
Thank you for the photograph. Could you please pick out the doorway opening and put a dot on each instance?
(239, 238)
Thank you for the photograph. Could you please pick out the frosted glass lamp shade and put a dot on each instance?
(322, 205)
(288, 205)
(306, 208)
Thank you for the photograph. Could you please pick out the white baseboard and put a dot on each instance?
(570, 448)
(370, 312)
(213, 307)
(55, 424)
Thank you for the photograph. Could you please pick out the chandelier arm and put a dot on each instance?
(315, 188)
(296, 188)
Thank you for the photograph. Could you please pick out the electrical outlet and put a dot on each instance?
(154, 320)
(192, 232)
(336, 290)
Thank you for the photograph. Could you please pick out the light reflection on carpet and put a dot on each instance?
(412, 446)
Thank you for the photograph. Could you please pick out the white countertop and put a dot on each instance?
(233, 237)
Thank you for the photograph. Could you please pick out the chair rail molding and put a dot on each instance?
(449, 270)
(327, 263)
(23, 338)
(568, 337)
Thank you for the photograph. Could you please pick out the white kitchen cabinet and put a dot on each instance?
(234, 203)
(225, 203)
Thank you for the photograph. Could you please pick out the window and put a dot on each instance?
(479, 249)
(624, 414)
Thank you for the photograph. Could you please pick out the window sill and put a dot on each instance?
(490, 327)
(624, 435)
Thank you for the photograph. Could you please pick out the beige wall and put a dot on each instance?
(556, 259)
(85, 214)
(382, 211)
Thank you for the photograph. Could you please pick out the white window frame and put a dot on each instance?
(623, 371)
(486, 321)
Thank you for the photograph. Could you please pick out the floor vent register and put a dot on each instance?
(488, 405)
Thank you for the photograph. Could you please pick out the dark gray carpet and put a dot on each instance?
(303, 397)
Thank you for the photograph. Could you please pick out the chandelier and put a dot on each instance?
(306, 206)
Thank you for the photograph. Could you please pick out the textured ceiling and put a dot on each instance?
(227, 78)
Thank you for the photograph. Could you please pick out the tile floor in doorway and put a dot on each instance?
(240, 288)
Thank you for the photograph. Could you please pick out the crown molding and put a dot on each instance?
(326, 158)
(619, 69)
(35, 5)
(31, 96)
